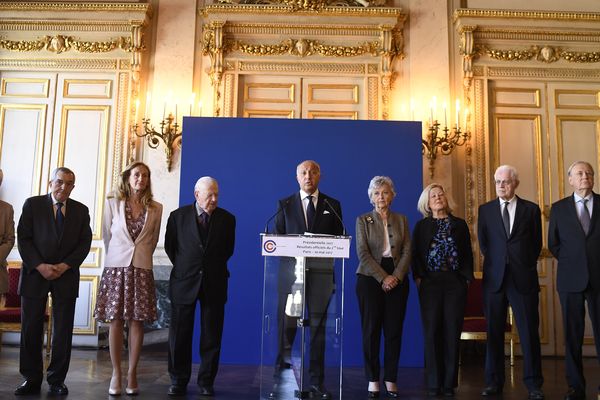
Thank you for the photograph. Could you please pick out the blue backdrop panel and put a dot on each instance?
(255, 161)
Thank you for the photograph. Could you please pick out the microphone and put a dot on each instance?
(279, 210)
(337, 215)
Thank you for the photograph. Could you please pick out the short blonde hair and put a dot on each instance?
(423, 203)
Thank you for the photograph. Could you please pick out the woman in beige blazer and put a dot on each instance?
(383, 247)
(7, 238)
(130, 232)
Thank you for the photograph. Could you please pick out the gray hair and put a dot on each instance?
(204, 181)
(511, 170)
(577, 163)
(64, 170)
(423, 203)
(379, 181)
(313, 162)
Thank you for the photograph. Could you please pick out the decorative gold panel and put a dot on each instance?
(91, 328)
(39, 148)
(332, 115)
(349, 91)
(593, 98)
(268, 113)
(95, 262)
(522, 94)
(69, 83)
(43, 93)
(249, 96)
(102, 150)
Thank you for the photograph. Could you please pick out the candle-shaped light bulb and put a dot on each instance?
(148, 100)
(445, 107)
(412, 109)
(192, 99)
(434, 107)
(200, 108)
(457, 112)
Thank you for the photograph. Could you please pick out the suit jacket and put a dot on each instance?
(120, 250)
(7, 241)
(519, 251)
(423, 234)
(578, 254)
(39, 243)
(195, 261)
(369, 244)
(291, 218)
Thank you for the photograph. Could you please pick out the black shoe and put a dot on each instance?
(392, 394)
(177, 390)
(27, 387)
(575, 394)
(433, 392)
(448, 392)
(58, 389)
(319, 392)
(491, 391)
(372, 394)
(206, 391)
(536, 394)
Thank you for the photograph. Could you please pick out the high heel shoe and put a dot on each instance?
(114, 392)
(132, 391)
(372, 394)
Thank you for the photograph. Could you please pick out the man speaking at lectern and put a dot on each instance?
(307, 210)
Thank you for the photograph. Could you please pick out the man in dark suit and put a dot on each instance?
(510, 238)
(54, 238)
(574, 238)
(307, 210)
(199, 240)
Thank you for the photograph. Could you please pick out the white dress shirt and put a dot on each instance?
(512, 208)
(304, 198)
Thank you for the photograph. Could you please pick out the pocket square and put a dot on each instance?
(325, 212)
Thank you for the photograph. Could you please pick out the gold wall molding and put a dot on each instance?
(304, 48)
(60, 44)
(372, 96)
(61, 26)
(546, 54)
(282, 9)
(330, 68)
(241, 28)
(543, 73)
(71, 6)
(58, 64)
(535, 15)
(527, 34)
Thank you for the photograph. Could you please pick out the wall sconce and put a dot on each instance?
(169, 132)
(443, 140)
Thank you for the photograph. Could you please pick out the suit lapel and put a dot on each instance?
(498, 217)
(519, 213)
(319, 210)
(149, 216)
(298, 210)
(50, 216)
(195, 229)
(572, 209)
(595, 212)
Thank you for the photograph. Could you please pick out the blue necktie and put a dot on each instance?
(60, 219)
(585, 218)
(506, 219)
(310, 213)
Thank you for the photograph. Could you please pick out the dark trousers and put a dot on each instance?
(180, 340)
(573, 312)
(526, 316)
(442, 296)
(380, 310)
(319, 287)
(32, 342)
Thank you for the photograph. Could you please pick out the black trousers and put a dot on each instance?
(32, 342)
(380, 310)
(442, 296)
(573, 312)
(319, 288)
(526, 316)
(212, 314)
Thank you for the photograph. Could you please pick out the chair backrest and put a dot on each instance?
(11, 296)
(474, 307)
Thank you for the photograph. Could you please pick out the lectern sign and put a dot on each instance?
(305, 246)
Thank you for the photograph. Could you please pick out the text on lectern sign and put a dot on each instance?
(305, 246)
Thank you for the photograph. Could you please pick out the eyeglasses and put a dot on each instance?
(503, 183)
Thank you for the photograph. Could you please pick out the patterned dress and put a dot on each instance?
(127, 293)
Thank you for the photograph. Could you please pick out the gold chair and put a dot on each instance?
(474, 323)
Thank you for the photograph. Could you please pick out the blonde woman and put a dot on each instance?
(127, 293)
